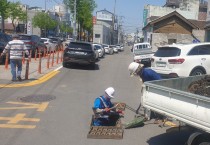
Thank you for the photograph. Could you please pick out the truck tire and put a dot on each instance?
(198, 138)
(205, 143)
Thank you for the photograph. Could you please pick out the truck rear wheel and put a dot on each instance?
(198, 138)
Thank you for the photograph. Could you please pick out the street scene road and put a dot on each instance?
(64, 115)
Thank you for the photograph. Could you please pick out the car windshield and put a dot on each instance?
(24, 37)
(43, 40)
(167, 52)
(80, 45)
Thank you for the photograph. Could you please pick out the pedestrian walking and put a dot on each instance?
(146, 74)
(104, 110)
(16, 49)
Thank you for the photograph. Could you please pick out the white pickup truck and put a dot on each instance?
(172, 98)
(142, 53)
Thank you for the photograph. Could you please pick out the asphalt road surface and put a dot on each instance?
(64, 117)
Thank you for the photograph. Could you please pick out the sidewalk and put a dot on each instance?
(6, 76)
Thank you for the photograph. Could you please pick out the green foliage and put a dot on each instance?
(65, 28)
(43, 21)
(16, 13)
(84, 11)
(4, 5)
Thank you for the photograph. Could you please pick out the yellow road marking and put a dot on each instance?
(17, 126)
(12, 121)
(36, 82)
(40, 107)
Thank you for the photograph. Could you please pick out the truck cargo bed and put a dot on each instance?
(172, 98)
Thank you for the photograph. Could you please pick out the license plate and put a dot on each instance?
(78, 52)
(161, 64)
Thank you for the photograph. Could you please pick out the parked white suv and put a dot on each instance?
(182, 60)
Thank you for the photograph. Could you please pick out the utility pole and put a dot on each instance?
(75, 17)
(45, 8)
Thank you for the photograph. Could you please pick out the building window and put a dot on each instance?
(97, 35)
(171, 41)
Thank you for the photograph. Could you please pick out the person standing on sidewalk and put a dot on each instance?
(15, 48)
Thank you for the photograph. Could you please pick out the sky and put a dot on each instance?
(131, 11)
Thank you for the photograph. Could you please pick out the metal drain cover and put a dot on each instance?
(37, 98)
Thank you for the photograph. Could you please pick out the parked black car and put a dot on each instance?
(4, 39)
(33, 42)
(80, 53)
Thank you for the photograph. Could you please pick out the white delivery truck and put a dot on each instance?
(142, 53)
(172, 98)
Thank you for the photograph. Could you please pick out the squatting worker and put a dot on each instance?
(146, 74)
(15, 48)
(104, 114)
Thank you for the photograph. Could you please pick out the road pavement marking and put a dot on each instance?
(12, 121)
(36, 82)
(40, 107)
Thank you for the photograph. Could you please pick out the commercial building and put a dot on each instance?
(105, 28)
(175, 22)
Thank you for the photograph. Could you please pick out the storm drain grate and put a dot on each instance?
(37, 98)
(105, 132)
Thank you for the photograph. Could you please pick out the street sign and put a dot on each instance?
(115, 26)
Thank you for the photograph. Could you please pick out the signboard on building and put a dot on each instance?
(145, 17)
(94, 20)
(104, 15)
(29, 27)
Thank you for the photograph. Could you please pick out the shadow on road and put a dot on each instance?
(171, 137)
(83, 67)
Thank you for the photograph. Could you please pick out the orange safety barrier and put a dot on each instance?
(40, 63)
(7, 61)
(27, 68)
(52, 58)
(23, 59)
(57, 59)
(48, 61)
(30, 55)
(62, 55)
(45, 50)
(35, 54)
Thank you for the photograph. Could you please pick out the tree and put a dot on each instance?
(84, 13)
(16, 13)
(44, 21)
(64, 28)
(4, 5)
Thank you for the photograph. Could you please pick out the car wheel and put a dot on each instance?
(65, 64)
(197, 72)
(92, 65)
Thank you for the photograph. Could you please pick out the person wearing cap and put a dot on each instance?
(146, 74)
(15, 48)
(104, 109)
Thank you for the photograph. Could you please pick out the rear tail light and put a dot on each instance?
(31, 43)
(176, 61)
